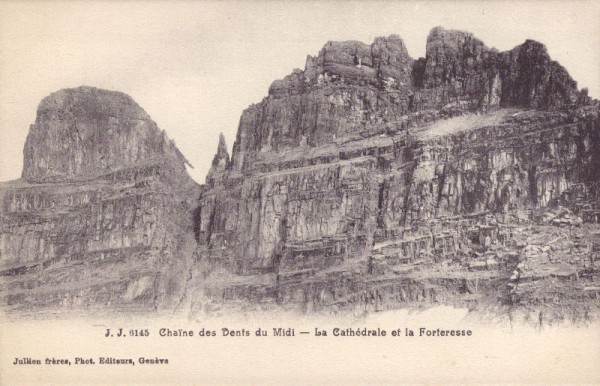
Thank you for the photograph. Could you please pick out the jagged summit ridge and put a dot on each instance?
(363, 182)
(351, 88)
(87, 131)
(385, 62)
(371, 180)
(453, 57)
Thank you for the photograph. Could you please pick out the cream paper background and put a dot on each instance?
(194, 66)
(514, 355)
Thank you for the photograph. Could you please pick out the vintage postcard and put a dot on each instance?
(303, 192)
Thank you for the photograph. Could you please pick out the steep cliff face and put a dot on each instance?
(88, 131)
(371, 180)
(367, 181)
(460, 66)
(351, 88)
(102, 218)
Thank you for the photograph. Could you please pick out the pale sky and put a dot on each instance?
(195, 66)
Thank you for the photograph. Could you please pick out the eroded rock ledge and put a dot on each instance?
(370, 181)
(102, 218)
(367, 181)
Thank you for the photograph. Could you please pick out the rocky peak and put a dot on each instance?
(292, 84)
(220, 162)
(110, 227)
(534, 47)
(454, 39)
(352, 88)
(385, 62)
(392, 61)
(86, 131)
(454, 55)
(88, 103)
(533, 79)
(524, 76)
(222, 154)
(370, 181)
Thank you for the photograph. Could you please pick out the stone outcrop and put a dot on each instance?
(367, 181)
(351, 88)
(370, 181)
(102, 216)
(86, 131)
(220, 163)
(532, 79)
(458, 65)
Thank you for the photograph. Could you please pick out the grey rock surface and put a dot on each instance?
(102, 218)
(367, 181)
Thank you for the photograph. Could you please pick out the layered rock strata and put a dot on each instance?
(371, 181)
(102, 216)
(367, 181)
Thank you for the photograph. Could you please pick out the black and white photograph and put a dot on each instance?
(303, 192)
